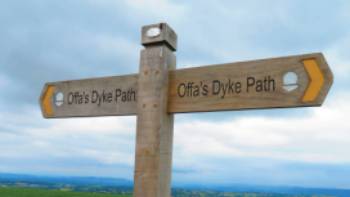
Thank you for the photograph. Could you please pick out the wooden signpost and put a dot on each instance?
(158, 91)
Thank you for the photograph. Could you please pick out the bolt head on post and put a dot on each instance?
(159, 34)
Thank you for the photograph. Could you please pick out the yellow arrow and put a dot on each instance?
(47, 101)
(316, 80)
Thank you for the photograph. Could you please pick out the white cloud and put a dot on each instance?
(108, 140)
(338, 57)
(322, 137)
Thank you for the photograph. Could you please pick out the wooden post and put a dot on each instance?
(154, 138)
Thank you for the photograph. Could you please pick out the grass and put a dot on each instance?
(33, 192)
(38, 192)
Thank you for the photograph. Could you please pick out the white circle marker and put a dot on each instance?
(290, 81)
(59, 98)
(153, 32)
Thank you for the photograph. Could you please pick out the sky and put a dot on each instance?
(56, 40)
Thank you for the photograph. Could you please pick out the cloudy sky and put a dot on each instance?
(43, 41)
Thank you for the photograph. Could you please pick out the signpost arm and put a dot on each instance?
(154, 138)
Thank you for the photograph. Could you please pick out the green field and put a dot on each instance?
(33, 192)
(36, 192)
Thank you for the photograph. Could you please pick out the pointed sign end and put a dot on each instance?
(46, 101)
(320, 79)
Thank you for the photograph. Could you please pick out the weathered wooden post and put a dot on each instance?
(154, 138)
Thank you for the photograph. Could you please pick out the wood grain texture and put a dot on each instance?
(105, 96)
(154, 125)
(154, 138)
(167, 36)
(275, 68)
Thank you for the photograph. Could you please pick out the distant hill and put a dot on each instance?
(6, 177)
(83, 184)
(294, 191)
(124, 186)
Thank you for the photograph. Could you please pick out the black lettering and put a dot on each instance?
(196, 91)
(224, 87)
(231, 86)
(79, 98)
(272, 81)
(190, 89)
(118, 93)
(250, 82)
(259, 86)
(70, 98)
(181, 90)
(216, 87)
(109, 97)
(86, 98)
(132, 95)
(205, 90)
(124, 96)
(94, 96)
(238, 87)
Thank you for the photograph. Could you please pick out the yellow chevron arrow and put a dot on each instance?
(316, 80)
(46, 102)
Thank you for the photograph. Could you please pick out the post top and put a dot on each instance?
(157, 34)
